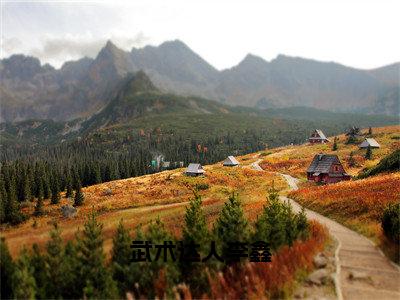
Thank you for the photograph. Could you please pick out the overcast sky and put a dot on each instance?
(358, 33)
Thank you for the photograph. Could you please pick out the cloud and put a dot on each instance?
(56, 50)
(11, 45)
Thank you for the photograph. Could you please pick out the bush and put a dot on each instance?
(391, 222)
(389, 163)
(202, 186)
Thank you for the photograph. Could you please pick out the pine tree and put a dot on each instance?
(11, 207)
(370, 131)
(351, 160)
(196, 232)
(232, 225)
(24, 280)
(3, 199)
(54, 261)
(38, 207)
(96, 277)
(146, 272)
(46, 185)
(7, 268)
(270, 226)
(121, 255)
(25, 188)
(68, 186)
(79, 196)
(70, 271)
(335, 146)
(55, 190)
(368, 154)
(302, 224)
(37, 261)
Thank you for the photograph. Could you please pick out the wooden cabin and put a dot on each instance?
(231, 161)
(369, 142)
(194, 170)
(318, 137)
(326, 169)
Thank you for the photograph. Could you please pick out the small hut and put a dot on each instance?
(317, 136)
(194, 170)
(230, 161)
(369, 142)
(326, 169)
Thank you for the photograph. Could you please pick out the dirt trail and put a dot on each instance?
(374, 276)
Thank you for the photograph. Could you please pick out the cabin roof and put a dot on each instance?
(231, 161)
(321, 135)
(322, 163)
(369, 142)
(194, 168)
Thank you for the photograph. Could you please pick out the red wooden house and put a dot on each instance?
(317, 136)
(326, 169)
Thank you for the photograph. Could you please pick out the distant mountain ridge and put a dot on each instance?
(83, 87)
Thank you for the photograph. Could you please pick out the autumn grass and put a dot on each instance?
(294, 160)
(141, 199)
(357, 204)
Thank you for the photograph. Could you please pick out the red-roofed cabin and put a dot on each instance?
(326, 169)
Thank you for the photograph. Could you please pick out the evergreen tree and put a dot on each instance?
(25, 190)
(24, 280)
(368, 154)
(54, 261)
(55, 191)
(335, 146)
(270, 226)
(79, 196)
(121, 256)
(46, 186)
(145, 273)
(232, 225)
(196, 232)
(302, 224)
(11, 206)
(68, 186)
(97, 280)
(38, 207)
(3, 199)
(37, 261)
(351, 160)
(370, 131)
(70, 271)
(7, 268)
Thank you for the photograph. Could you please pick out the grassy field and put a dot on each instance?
(295, 160)
(357, 204)
(141, 199)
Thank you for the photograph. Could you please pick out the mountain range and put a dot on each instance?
(79, 89)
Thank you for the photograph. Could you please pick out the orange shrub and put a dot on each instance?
(263, 280)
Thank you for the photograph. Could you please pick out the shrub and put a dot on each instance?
(202, 186)
(391, 222)
(389, 163)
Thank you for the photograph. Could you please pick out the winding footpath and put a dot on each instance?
(362, 270)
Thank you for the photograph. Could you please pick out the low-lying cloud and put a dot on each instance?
(57, 50)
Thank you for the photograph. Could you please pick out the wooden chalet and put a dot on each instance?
(326, 169)
(318, 137)
(194, 170)
(369, 142)
(231, 161)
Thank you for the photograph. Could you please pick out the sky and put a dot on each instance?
(358, 33)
